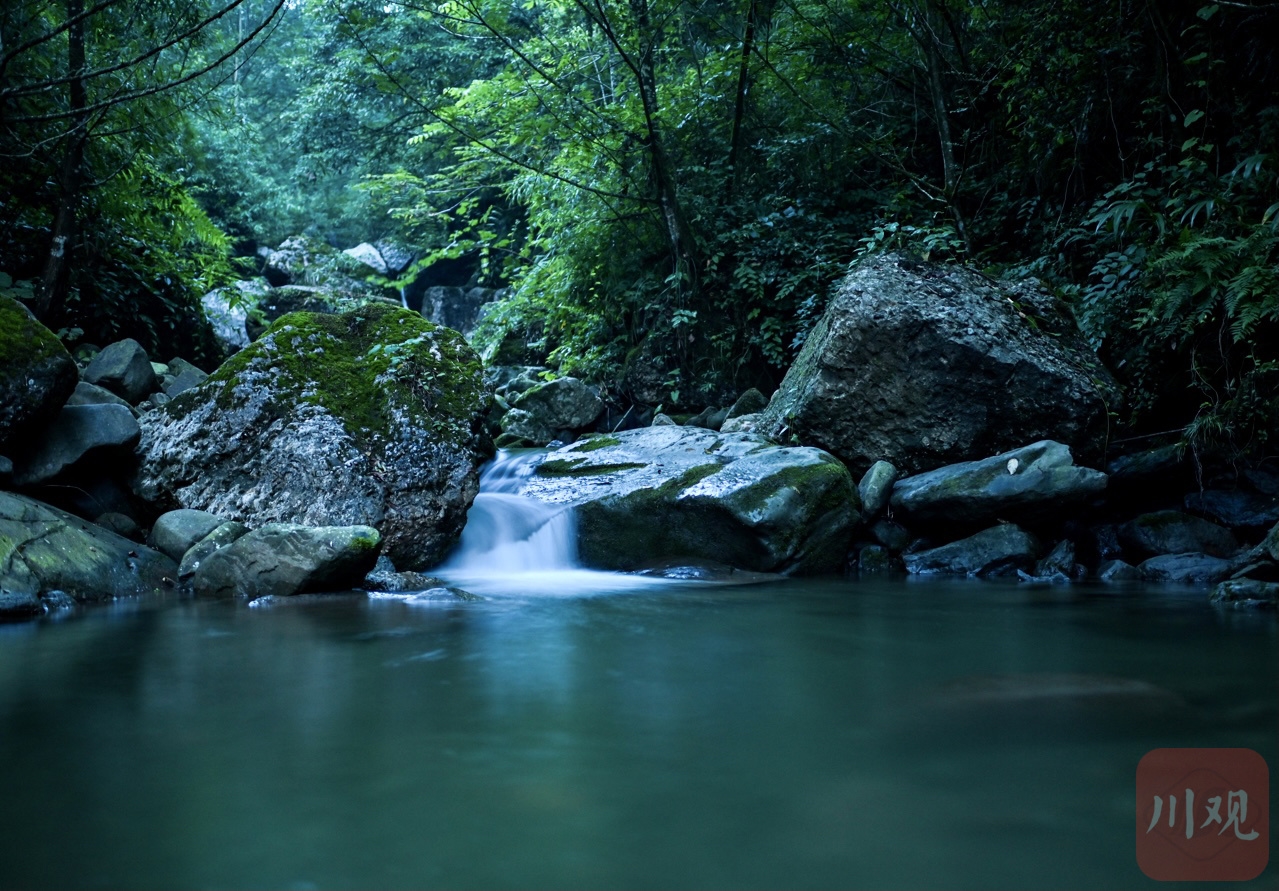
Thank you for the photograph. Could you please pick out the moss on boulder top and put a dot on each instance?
(371, 417)
(37, 374)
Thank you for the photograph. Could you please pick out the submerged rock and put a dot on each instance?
(1000, 550)
(283, 559)
(1029, 485)
(687, 492)
(925, 365)
(1247, 593)
(373, 417)
(44, 549)
(37, 374)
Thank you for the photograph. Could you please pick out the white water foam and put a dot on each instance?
(513, 544)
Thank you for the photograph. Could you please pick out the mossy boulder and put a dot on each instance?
(688, 493)
(43, 549)
(37, 374)
(372, 417)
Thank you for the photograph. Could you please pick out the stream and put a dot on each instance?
(589, 729)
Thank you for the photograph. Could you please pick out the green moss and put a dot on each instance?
(574, 467)
(595, 442)
(369, 368)
(22, 339)
(809, 479)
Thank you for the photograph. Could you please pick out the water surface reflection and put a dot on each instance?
(800, 734)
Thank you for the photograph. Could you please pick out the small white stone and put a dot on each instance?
(1013, 464)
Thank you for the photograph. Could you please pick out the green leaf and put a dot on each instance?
(1192, 117)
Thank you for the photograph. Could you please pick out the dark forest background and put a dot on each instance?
(677, 182)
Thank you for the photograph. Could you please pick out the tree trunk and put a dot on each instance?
(739, 106)
(57, 270)
(937, 90)
(683, 246)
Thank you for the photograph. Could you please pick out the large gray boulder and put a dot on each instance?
(373, 417)
(926, 365)
(37, 374)
(125, 370)
(284, 559)
(1172, 532)
(1029, 485)
(1000, 550)
(686, 492)
(43, 549)
(78, 433)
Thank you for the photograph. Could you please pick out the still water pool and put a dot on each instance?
(798, 734)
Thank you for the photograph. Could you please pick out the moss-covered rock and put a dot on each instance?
(37, 374)
(689, 493)
(372, 417)
(43, 549)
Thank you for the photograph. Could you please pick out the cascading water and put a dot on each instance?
(513, 544)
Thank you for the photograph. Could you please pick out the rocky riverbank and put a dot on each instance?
(936, 422)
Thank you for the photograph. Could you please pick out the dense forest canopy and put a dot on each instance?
(671, 186)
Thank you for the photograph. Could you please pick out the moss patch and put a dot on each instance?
(575, 467)
(373, 369)
(22, 339)
(595, 443)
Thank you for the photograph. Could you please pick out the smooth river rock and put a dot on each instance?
(690, 493)
(174, 533)
(1000, 550)
(284, 559)
(1186, 569)
(1029, 485)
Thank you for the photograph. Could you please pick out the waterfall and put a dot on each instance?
(513, 544)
